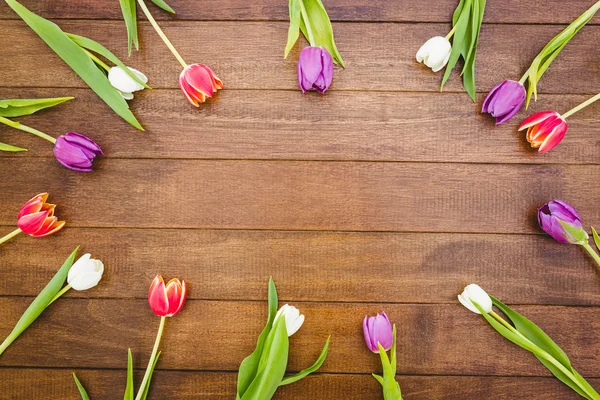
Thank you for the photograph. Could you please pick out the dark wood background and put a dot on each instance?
(382, 195)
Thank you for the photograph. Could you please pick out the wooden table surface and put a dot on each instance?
(382, 195)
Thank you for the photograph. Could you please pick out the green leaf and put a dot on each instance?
(577, 235)
(39, 304)
(291, 379)
(129, 10)
(596, 238)
(129, 388)
(12, 149)
(460, 40)
(379, 378)
(162, 4)
(78, 60)
(82, 392)
(294, 30)
(104, 52)
(321, 28)
(266, 382)
(147, 388)
(19, 107)
(391, 388)
(393, 352)
(249, 367)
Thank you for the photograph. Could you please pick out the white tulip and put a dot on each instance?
(474, 293)
(293, 318)
(125, 84)
(85, 273)
(435, 53)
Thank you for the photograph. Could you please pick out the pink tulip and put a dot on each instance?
(198, 82)
(545, 130)
(37, 219)
(166, 300)
(378, 330)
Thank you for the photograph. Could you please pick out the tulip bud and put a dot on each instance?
(197, 82)
(76, 151)
(293, 318)
(561, 220)
(504, 101)
(435, 53)
(545, 130)
(166, 300)
(36, 217)
(474, 293)
(315, 69)
(124, 83)
(85, 273)
(378, 330)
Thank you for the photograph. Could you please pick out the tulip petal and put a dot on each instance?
(536, 119)
(34, 205)
(51, 228)
(32, 223)
(554, 138)
(173, 291)
(157, 298)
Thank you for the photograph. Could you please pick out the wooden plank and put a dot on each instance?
(313, 266)
(286, 125)
(535, 11)
(378, 56)
(300, 195)
(216, 336)
(109, 384)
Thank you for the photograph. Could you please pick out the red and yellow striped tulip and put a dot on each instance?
(37, 219)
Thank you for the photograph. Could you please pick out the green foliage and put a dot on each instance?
(18, 107)
(596, 238)
(77, 59)
(466, 22)
(391, 388)
(129, 389)
(311, 18)
(129, 11)
(82, 392)
(305, 372)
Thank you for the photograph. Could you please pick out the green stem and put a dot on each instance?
(97, 60)
(62, 291)
(543, 354)
(28, 129)
(161, 33)
(581, 106)
(524, 78)
(10, 235)
(152, 357)
(590, 250)
(451, 33)
(309, 32)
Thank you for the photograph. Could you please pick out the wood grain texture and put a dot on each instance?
(433, 339)
(378, 56)
(188, 385)
(313, 266)
(289, 126)
(301, 195)
(535, 11)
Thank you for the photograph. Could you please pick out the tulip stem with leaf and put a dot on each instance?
(75, 51)
(528, 336)
(262, 372)
(81, 275)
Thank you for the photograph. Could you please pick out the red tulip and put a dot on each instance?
(545, 130)
(166, 301)
(37, 219)
(197, 82)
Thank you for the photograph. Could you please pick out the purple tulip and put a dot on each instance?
(315, 69)
(378, 329)
(561, 220)
(504, 101)
(76, 151)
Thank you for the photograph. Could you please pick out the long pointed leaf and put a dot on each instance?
(291, 379)
(596, 238)
(78, 60)
(129, 10)
(147, 388)
(321, 27)
(248, 367)
(96, 47)
(12, 149)
(162, 4)
(39, 304)
(129, 388)
(294, 29)
(82, 392)
(19, 107)
(459, 41)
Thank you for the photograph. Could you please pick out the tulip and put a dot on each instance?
(197, 82)
(561, 220)
(474, 293)
(293, 318)
(545, 130)
(435, 53)
(504, 101)
(76, 151)
(85, 273)
(166, 300)
(378, 330)
(36, 217)
(124, 83)
(315, 69)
